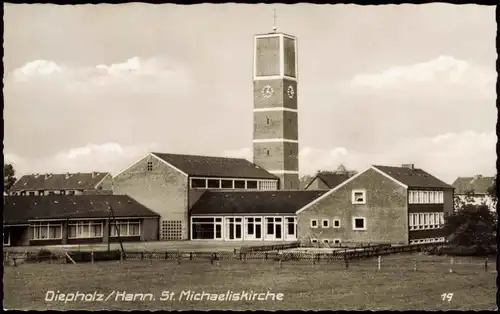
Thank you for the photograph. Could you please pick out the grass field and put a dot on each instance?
(303, 285)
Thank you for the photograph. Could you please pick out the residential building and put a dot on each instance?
(393, 205)
(474, 190)
(170, 184)
(76, 219)
(63, 184)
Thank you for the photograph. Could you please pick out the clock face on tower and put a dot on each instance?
(267, 91)
(290, 91)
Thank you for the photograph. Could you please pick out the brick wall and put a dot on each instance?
(163, 190)
(385, 212)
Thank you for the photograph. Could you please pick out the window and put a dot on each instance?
(290, 153)
(359, 197)
(62, 192)
(51, 192)
(6, 238)
(441, 197)
(251, 184)
(358, 223)
(213, 183)
(336, 223)
(239, 184)
(125, 228)
(150, 166)
(198, 183)
(314, 223)
(431, 220)
(336, 241)
(267, 120)
(325, 223)
(411, 221)
(46, 230)
(41, 192)
(31, 193)
(432, 197)
(416, 197)
(314, 240)
(436, 220)
(267, 185)
(71, 192)
(426, 196)
(410, 197)
(171, 230)
(205, 228)
(85, 229)
(426, 220)
(226, 184)
(325, 241)
(23, 193)
(441, 219)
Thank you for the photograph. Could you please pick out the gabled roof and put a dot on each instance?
(253, 202)
(21, 209)
(413, 178)
(208, 166)
(68, 181)
(330, 179)
(478, 184)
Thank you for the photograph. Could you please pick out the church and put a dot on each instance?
(166, 196)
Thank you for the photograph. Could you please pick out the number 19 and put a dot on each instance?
(447, 296)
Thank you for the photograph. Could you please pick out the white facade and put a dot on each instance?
(244, 228)
(479, 199)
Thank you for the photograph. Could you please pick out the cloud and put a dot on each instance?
(36, 68)
(133, 75)
(446, 156)
(108, 157)
(442, 75)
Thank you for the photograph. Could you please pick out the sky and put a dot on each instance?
(96, 87)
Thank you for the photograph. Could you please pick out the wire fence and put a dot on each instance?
(376, 256)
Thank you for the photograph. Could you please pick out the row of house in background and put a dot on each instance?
(475, 190)
(186, 197)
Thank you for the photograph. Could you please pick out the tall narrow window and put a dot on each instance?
(150, 166)
(267, 120)
(267, 152)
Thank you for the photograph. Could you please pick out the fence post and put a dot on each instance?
(346, 260)
(486, 264)
(451, 264)
(166, 255)
(121, 256)
(92, 257)
(142, 256)
(179, 258)
(190, 256)
(379, 258)
(266, 256)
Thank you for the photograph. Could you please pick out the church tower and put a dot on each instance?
(275, 136)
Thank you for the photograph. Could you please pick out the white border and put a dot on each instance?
(275, 140)
(353, 200)
(354, 223)
(322, 223)
(275, 109)
(333, 223)
(311, 225)
(281, 37)
(283, 172)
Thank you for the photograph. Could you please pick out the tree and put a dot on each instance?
(9, 178)
(492, 191)
(472, 226)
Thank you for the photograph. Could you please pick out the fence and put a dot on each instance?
(281, 252)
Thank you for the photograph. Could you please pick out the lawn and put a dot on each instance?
(397, 286)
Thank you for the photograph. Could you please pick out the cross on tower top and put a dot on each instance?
(274, 20)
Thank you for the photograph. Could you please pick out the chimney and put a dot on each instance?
(47, 175)
(67, 175)
(477, 176)
(409, 166)
(94, 174)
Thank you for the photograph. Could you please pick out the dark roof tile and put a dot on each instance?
(208, 166)
(70, 181)
(21, 209)
(414, 178)
(478, 184)
(254, 202)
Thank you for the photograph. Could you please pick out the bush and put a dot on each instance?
(40, 256)
(462, 250)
